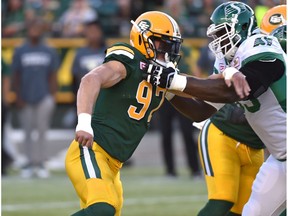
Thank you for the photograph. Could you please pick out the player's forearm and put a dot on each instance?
(87, 93)
(214, 90)
(193, 109)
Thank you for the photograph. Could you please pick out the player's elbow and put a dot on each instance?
(90, 79)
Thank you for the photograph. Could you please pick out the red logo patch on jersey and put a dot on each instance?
(143, 65)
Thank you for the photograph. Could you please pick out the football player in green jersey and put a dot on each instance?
(245, 56)
(114, 107)
(281, 34)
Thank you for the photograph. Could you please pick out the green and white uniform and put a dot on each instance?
(222, 120)
(122, 113)
(267, 113)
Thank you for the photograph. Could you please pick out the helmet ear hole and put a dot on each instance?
(139, 40)
(244, 26)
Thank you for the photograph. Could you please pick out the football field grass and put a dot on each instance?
(146, 193)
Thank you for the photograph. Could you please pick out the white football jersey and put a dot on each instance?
(267, 113)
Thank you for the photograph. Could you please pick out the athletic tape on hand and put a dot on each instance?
(178, 83)
(229, 72)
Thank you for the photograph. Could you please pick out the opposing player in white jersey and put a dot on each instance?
(241, 50)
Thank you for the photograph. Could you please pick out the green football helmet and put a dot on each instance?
(281, 34)
(232, 23)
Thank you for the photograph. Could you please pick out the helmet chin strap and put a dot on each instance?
(158, 62)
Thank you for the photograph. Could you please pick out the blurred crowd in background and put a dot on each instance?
(65, 18)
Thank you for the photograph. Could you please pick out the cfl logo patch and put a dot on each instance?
(144, 25)
(143, 65)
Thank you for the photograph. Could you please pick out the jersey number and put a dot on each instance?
(254, 107)
(143, 97)
(263, 41)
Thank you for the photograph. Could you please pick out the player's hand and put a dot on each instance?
(240, 84)
(84, 132)
(168, 78)
(160, 76)
(84, 138)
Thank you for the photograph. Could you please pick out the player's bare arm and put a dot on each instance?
(214, 89)
(196, 110)
(104, 76)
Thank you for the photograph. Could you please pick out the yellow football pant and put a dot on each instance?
(230, 167)
(95, 176)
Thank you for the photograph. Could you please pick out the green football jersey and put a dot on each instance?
(122, 112)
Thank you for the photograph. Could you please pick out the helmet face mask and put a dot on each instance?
(232, 23)
(157, 36)
(166, 49)
(225, 40)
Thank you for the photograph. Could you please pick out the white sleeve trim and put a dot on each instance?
(121, 52)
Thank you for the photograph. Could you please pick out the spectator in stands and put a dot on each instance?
(43, 9)
(6, 158)
(168, 115)
(72, 21)
(199, 12)
(34, 69)
(141, 6)
(124, 16)
(205, 63)
(203, 19)
(13, 19)
(90, 56)
(178, 10)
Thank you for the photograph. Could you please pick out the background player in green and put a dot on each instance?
(114, 106)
